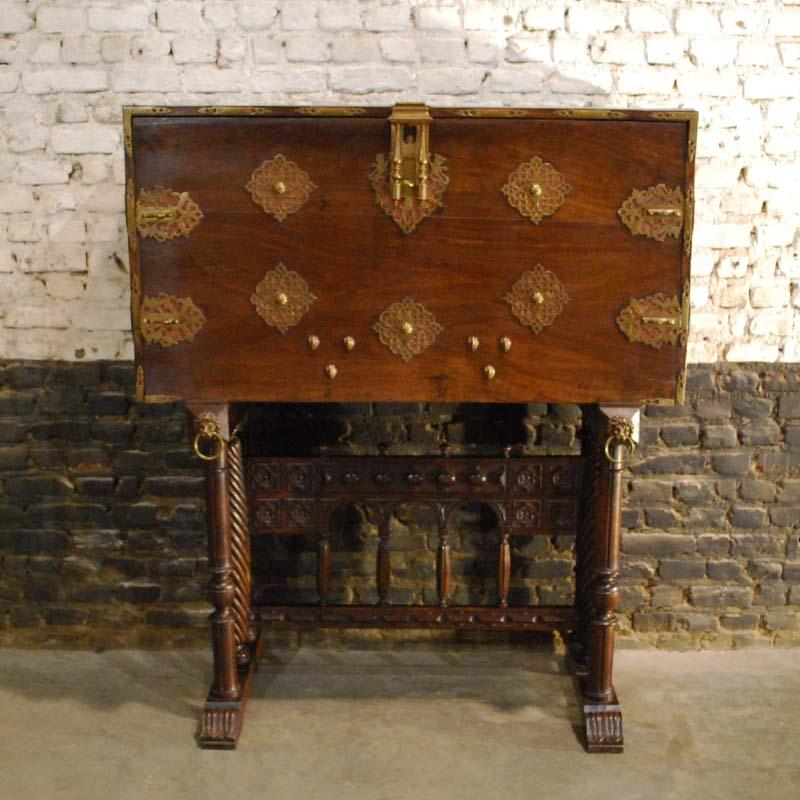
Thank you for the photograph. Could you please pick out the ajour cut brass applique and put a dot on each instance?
(655, 212)
(282, 298)
(537, 298)
(163, 214)
(407, 328)
(168, 320)
(656, 320)
(280, 187)
(536, 189)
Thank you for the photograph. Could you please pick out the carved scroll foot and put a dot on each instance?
(222, 720)
(603, 727)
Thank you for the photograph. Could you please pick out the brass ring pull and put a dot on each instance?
(215, 454)
(626, 442)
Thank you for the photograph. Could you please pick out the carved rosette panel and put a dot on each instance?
(168, 320)
(163, 214)
(282, 298)
(537, 298)
(527, 513)
(266, 514)
(408, 212)
(655, 212)
(265, 477)
(536, 189)
(407, 328)
(655, 320)
(280, 187)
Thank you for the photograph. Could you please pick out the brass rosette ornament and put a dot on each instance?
(163, 214)
(536, 189)
(280, 187)
(169, 320)
(282, 298)
(537, 298)
(655, 212)
(656, 320)
(407, 328)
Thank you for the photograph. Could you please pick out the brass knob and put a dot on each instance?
(536, 190)
(279, 187)
(281, 298)
(407, 328)
(349, 342)
(331, 371)
(313, 342)
(489, 372)
(538, 298)
(473, 342)
(505, 344)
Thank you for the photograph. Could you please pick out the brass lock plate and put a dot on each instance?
(164, 214)
(168, 320)
(655, 212)
(655, 320)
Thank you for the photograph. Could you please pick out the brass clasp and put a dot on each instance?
(156, 213)
(410, 151)
(673, 322)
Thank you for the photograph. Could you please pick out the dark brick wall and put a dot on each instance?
(102, 533)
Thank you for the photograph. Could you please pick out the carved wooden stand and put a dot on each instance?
(529, 496)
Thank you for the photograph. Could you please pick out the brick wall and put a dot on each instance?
(67, 67)
(101, 510)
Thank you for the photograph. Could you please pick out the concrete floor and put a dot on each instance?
(388, 725)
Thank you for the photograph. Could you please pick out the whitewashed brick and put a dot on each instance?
(451, 80)
(769, 296)
(763, 87)
(598, 17)
(785, 22)
(35, 171)
(770, 323)
(256, 16)
(64, 80)
(102, 229)
(485, 15)
(26, 137)
(544, 16)
(115, 18)
(388, 18)
(61, 19)
(15, 19)
(194, 49)
(64, 286)
(232, 49)
(221, 16)
(570, 49)
(713, 51)
(44, 51)
(450, 49)
(67, 230)
(485, 48)
(150, 46)
(293, 81)
(757, 54)
(299, 15)
(15, 199)
(23, 229)
(588, 80)
(355, 48)
(177, 17)
(339, 17)
(363, 80)
(53, 199)
(7, 264)
(207, 80)
(528, 47)
(617, 48)
(645, 18)
(731, 296)
(9, 79)
(664, 49)
(742, 21)
(647, 81)
(114, 49)
(51, 315)
(266, 50)
(776, 235)
(781, 143)
(307, 48)
(84, 138)
(696, 20)
(80, 49)
(438, 18)
(713, 83)
(401, 49)
(145, 79)
(103, 196)
(790, 54)
(526, 78)
(722, 236)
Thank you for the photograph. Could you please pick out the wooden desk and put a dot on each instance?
(411, 254)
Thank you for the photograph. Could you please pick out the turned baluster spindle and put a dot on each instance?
(323, 569)
(503, 569)
(443, 571)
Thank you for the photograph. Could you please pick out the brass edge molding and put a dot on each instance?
(537, 298)
(139, 384)
(688, 221)
(536, 189)
(280, 187)
(656, 212)
(282, 298)
(407, 328)
(167, 320)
